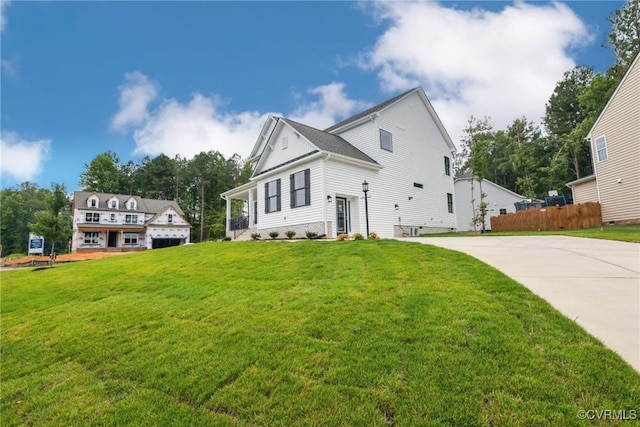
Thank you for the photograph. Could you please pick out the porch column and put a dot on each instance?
(228, 214)
(250, 208)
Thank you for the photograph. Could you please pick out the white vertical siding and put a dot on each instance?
(418, 156)
(497, 198)
(618, 177)
(296, 144)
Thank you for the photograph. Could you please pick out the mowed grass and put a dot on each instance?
(371, 333)
(622, 233)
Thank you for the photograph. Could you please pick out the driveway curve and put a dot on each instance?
(594, 282)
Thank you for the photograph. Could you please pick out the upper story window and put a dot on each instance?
(112, 218)
(272, 196)
(386, 140)
(113, 203)
(447, 166)
(601, 148)
(131, 204)
(300, 185)
(92, 202)
(418, 185)
(92, 217)
(450, 202)
(131, 219)
(169, 218)
(285, 143)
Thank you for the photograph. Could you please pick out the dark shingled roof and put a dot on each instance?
(151, 206)
(331, 143)
(370, 111)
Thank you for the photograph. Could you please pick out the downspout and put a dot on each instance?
(324, 194)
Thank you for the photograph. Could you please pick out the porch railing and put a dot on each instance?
(239, 223)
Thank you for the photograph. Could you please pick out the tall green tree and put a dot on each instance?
(624, 37)
(157, 178)
(19, 206)
(54, 223)
(104, 174)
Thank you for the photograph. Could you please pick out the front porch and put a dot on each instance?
(242, 210)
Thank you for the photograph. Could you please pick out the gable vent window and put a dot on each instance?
(601, 149)
(300, 184)
(418, 185)
(447, 166)
(169, 218)
(503, 211)
(386, 140)
(272, 196)
(285, 143)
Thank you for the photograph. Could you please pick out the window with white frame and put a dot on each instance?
(450, 202)
(447, 165)
(386, 140)
(300, 186)
(92, 203)
(91, 237)
(92, 217)
(169, 218)
(131, 204)
(131, 219)
(601, 148)
(130, 238)
(112, 218)
(285, 143)
(113, 204)
(272, 196)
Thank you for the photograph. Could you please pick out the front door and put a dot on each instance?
(113, 239)
(342, 218)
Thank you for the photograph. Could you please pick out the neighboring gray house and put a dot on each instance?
(114, 222)
(306, 179)
(615, 146)
(499, 201)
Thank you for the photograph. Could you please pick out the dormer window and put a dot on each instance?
(131, 204)
(92, 202)
(113, 203)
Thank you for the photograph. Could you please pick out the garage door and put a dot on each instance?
(165, 243)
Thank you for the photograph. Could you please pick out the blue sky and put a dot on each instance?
(144, 78)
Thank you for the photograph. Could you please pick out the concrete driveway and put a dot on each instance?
(594, 282)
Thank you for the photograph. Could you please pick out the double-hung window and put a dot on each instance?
(601, 149)
(447, 166)
(92, 217)
(450, 202)
(91, 237)
(272, 196)
(131, 219)
(386, 140)
(130, 238)
(300, 185)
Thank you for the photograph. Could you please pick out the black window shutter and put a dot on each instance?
(292, 190)
(307, 186)
(266, 198)
(279, 194)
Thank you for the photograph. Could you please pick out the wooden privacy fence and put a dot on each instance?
(554, 218)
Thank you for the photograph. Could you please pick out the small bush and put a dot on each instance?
(255, 236)
(373, 236)
(227, 239)
(343, 236)
(274, 235)
(358, 236)
(290, 234)
(311, 234)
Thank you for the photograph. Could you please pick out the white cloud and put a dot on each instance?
(203, 124)
(135, 95)
(333, 104)
(22, 160)
(499, 64)
(3, 19)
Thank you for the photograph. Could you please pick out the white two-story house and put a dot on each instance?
(114, 222)
(306, 179)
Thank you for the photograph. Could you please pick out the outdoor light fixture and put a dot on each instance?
(329, 198)
(365, 190)
(396, 206)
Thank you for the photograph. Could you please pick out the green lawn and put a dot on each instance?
(623, 233)
(363, 333)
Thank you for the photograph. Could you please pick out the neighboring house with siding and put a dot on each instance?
(615, 145)
(306, 179)
(499, 200)
(114, 222)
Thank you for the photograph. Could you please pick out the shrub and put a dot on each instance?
(227, 239)
(290, 234)
(343, 236)
(358, 236)
(311, 234)
(255, 236)
(274, 234)
(373, 236)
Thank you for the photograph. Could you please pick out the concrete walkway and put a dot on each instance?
(594, 282)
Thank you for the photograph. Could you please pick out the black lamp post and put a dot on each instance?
(365, 190)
